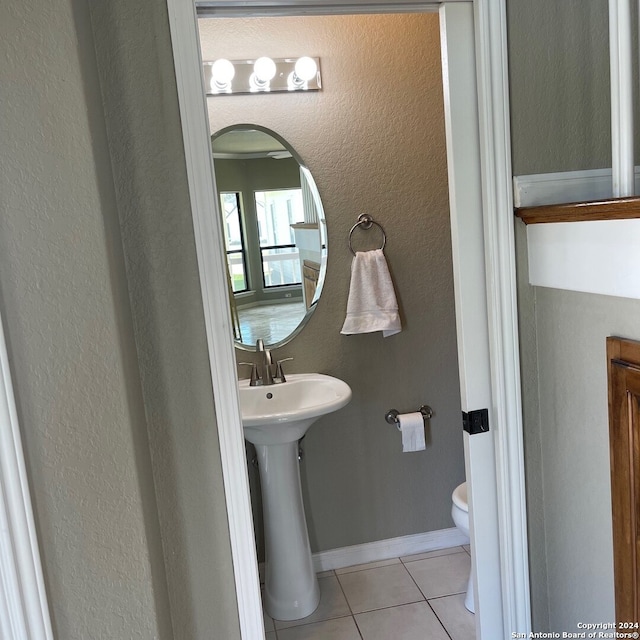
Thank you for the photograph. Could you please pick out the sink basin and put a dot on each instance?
(274, 418)
(282, 413)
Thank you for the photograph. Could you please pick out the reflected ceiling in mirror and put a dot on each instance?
(275, 234)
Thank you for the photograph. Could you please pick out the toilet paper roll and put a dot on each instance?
(411, 426)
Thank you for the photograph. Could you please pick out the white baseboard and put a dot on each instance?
(385, 549)
(592, 257)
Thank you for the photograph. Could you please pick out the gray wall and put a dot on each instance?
(373, 139)
(135, 67)
(69, 332)
(532, 436)
(100, 292)
(559, 76)
(560, 121)
(85, 390)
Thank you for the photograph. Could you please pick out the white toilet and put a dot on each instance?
(460, 515)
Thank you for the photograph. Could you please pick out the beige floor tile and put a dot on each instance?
(441, 576)
(431, 554)
(459, 623)
(336, 629)
(332, 605)
(378, 588)
(467, 548)
(408, 622)
(368, 565)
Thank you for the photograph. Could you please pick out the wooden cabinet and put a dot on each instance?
(310, 275)
(624, 445)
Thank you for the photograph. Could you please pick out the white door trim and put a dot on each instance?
(489, 372)
(24, 612)
(472, 325)
(495, 148)
(490, 33)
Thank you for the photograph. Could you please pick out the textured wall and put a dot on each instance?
(373, 139)
(559, 76)
(532, 437)
(64, 297)
(572, 329)
(135, 68)
(559, 82)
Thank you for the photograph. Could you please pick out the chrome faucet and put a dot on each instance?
(267, 363)
(267, 372)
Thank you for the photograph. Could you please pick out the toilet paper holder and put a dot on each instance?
(392, 415)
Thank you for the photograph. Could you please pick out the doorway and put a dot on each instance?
(380, 115)
(487, 340)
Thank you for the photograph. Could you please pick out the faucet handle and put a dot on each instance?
(279, 371)
(255, 378)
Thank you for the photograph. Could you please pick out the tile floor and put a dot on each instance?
(271, 322)
(411, 598)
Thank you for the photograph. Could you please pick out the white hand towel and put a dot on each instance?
(372, 304)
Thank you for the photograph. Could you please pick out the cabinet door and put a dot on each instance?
(624, 443)
(310, 276)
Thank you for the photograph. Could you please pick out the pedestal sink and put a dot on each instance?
(274, 418)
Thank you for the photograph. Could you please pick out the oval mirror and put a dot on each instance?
(275, 234)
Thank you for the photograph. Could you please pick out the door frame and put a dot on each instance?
(24, 609)
(503, 472)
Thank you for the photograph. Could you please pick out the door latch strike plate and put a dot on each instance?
(475, 421)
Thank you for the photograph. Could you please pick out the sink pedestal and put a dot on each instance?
(274, 418)
(291, 586)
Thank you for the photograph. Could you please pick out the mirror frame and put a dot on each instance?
(324, 236)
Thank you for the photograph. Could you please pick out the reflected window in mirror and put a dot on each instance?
(231, 211)
(277, 212)
(275, 234)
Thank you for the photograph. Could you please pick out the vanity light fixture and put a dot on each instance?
(263, 75)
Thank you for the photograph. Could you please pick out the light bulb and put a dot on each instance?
(294, 83)
(306, 68)
(264, 68)
(222, 73)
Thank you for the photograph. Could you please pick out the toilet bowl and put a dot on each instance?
(460, 515)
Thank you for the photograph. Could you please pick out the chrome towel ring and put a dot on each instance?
(367, 222)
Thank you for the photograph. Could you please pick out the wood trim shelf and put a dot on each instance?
(610, 209)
